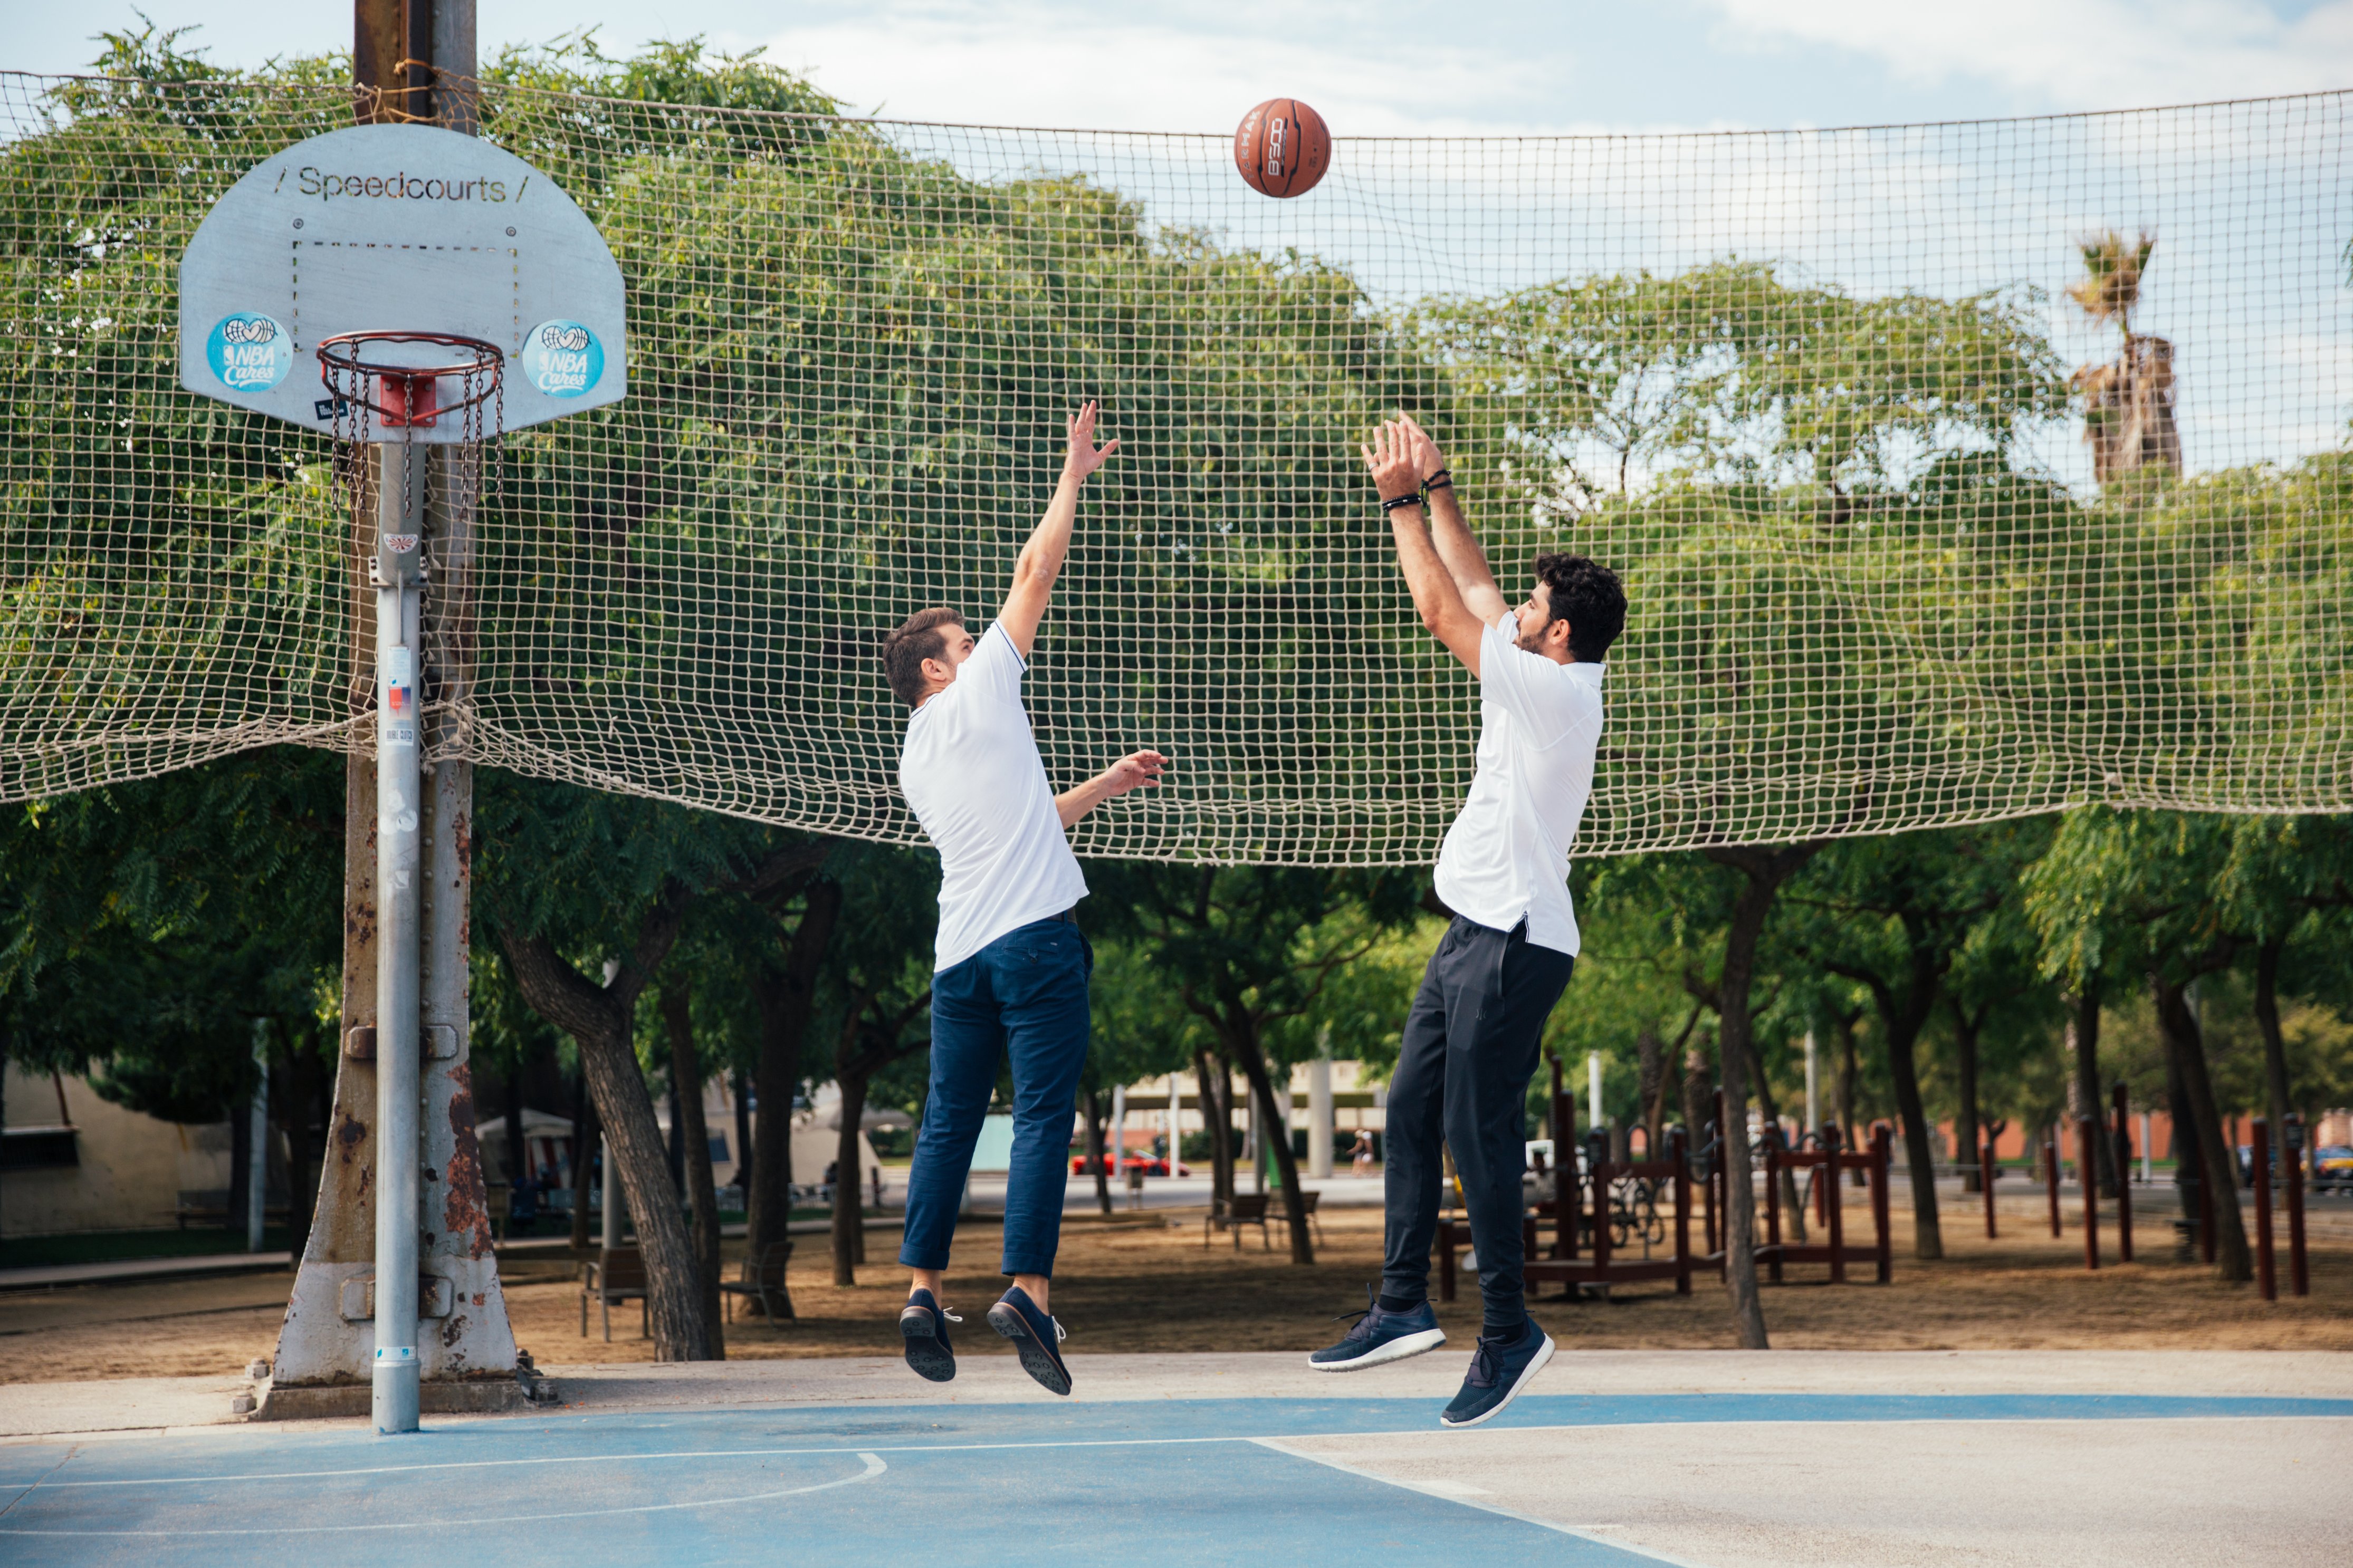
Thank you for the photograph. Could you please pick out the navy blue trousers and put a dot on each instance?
(1024, 997)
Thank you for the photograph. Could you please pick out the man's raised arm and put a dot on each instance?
(1397, 472)
(1041, 558)
(1466, 561)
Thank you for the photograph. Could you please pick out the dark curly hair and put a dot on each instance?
(1586, 594)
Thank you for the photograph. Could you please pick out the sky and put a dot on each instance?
(1389, 69)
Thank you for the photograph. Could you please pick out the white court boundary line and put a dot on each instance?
(1585, 1533)
(875, 1466)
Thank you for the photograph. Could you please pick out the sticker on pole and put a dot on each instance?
(249, 351)
(563, 359)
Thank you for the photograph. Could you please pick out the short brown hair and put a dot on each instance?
(918, 639)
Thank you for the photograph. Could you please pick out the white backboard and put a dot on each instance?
(399, 228)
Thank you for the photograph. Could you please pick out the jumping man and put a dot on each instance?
(1011, 967)
(1472, 1035)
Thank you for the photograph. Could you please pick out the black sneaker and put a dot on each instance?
(1498, 1372)
(1036, 1337)
(1380, 1336)
(924, 1324)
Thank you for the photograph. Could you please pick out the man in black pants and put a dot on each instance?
(1472, 1040)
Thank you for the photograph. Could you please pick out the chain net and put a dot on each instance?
(1939, 495)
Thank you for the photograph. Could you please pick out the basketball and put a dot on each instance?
(1283, 148)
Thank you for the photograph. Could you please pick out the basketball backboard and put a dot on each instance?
(399, 228)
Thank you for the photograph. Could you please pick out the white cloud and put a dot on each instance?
(2076, 54)
(1043, 65)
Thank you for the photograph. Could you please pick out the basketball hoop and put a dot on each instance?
(401, 384)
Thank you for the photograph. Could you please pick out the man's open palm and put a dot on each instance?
(1085, 456)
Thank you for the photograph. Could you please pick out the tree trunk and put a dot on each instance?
(1696, 1079)
(1218, 1116)
(1276, 1138)
(600, 1020)
(694, 1141)
(785, 997)
(2186, 1047)
(2084, 1042)
(1764, 872)
(584, 1160)
(2276, 1097)
(1651, 1054)
(1095, 1152)
(1919, 1155)
(848, 1178)
(1965, 1118)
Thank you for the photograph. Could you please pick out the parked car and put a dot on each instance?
(2332, 1168)
(1152, 1164)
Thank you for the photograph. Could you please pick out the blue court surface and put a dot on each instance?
(1192, 1481)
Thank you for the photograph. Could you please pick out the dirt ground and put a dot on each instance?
(1127, 1287)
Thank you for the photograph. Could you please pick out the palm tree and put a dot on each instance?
(2128, 402)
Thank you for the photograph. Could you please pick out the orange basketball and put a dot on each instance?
(1283, 148)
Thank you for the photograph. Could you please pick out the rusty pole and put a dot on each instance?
(1986, 1171)
(2051, 1174)
(2123, 1174)
(2299, 1279)
(2267, 1269)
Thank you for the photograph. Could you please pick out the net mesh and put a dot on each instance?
(1913, 534)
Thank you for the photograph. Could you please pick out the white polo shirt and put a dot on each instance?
(972, 775)
(1506, 856)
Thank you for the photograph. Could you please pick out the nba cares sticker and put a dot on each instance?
(563, 359)
(250, 353)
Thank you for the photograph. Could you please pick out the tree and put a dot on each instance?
(569, 878)
(2144, 884)
(1894, 915)
(1247, 949)
(2128, 402)
(1139, 1033)
(879, 980)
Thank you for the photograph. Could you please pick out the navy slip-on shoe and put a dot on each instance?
(1498, 1372)
(1380, 1336)
(924, 1324)
(1036, 1337)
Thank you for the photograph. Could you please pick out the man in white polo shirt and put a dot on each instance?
(1010, 966)
(1472, 1037)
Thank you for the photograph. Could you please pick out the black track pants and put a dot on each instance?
(1471, 1046)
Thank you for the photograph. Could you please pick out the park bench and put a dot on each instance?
(764, 1281)
(614, 1274)
(1247, 1208)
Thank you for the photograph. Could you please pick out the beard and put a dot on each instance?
(1531, 640)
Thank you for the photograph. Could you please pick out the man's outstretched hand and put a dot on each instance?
(1394, 459)
(1085, 457)
(1425, 455)
(1137, 770)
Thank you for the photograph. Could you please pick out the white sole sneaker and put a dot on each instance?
(1399, 1349)
(1536, 1364)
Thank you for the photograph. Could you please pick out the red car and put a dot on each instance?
(1153, 1165)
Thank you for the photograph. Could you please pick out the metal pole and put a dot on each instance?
(399, 576)
(1118, 1128)
(257, 1166)
(1813, 1099)
(1593, 1117)
(1319, 1107)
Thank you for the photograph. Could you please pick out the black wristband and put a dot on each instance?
(1397, 502)
(1441, 480)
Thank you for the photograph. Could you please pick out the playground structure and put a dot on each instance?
(1603, 1208)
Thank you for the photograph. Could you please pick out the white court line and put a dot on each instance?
(875, 1466)
(1281, 1445)
(43, 1485)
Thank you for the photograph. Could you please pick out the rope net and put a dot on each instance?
(1932, 504)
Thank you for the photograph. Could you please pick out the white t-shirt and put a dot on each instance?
(972, 775)
(1507, 853)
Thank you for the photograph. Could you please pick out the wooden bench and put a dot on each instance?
(1247, 1208)
(763, 1279)
(614, 1274)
